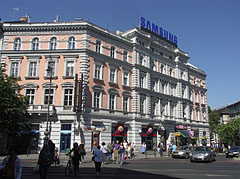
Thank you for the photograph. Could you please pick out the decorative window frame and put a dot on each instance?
(114, 52)
(67, 85)
(68, 58)
(19, 46)
(114, 92)
(31, 86)
(100, 89)
(125, 56)
(128, 78)
(51, 58)
(15, 59)
(115, 80)
(47, 86)
(101, 70)
(98, 50)
(128, 95)
(68, 42)
(39, 44)
(32, 59)
(56, 42)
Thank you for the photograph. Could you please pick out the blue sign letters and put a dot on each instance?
(158, 30)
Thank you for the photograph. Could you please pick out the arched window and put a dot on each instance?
(125, 56)
(112, 52)
(98, 46)
(35, 44)
(53, 43)
(17, 44)
(71, 43)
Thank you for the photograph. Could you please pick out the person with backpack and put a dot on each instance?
(44, 161)
(12, 165)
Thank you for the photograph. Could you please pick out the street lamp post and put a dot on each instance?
(48, 129)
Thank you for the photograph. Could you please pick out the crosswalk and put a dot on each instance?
(85, 171)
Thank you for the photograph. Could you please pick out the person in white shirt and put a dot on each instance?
(104, 150)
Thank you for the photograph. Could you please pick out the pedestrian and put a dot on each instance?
(11, 166)
(44, 161)
(129, 150)
(110, 147)
(56, 157)
(82, 152)
(143, 148)
(97, 157)
(52, 150)
(160, 148)
(76, 157)
(174, 147)
(104, 150)
(116, 152)
(121, 153)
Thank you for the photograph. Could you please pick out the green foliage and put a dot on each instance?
(13, 106)
(229, 133)
(214, 120)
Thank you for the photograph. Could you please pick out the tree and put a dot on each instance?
(13, 106)
(229, 133)
(214, 120)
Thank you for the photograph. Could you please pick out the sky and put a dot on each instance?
(207, 29)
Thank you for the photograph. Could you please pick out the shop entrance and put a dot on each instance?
(119, 133)
(65, 142)
(149, 136)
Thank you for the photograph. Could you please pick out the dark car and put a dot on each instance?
(182, 152)
(202, 153)
(233, 152)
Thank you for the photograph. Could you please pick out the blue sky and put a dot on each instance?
(207, 29)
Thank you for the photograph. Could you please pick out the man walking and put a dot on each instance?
(116, 152)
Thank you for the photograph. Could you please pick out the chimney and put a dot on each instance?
(57, 19)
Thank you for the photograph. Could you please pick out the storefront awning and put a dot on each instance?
(185, 133)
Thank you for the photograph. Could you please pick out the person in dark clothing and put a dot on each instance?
(82, 152)
(76, 157)
(52, 150)
(44, 161)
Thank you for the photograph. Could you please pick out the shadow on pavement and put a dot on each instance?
(89, 172)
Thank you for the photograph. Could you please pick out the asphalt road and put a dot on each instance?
(148, 169)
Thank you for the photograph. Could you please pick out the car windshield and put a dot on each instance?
(235, 148)
(202, 149)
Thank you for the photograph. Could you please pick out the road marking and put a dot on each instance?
(216, 175)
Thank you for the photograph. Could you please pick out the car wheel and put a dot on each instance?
(186, 156)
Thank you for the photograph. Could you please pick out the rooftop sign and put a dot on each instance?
(158, 30)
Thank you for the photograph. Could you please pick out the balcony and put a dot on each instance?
(41, 109)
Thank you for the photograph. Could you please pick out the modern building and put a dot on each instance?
(87, 84)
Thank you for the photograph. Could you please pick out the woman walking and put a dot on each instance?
(76, 157)
(122, 153)
(98, 156)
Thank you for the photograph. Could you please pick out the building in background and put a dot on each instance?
(229, 111)
(105, 86)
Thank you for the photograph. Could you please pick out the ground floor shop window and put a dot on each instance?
(149, 136)
(65, 142)
(119, 133)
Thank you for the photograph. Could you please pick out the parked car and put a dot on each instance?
(202, 153)
(233, 152)
(182, 152)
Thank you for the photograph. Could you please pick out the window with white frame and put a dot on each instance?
(125, 103)
(142, 80)
(196, 97)
(154, 107)
(142, 104)
(203, 114)
(98, 69)
(125, 78)
(162, 69)
(68, 97)
(197, 114)
(30, 93)
(98, 46)
(97, 99)
(71, 43)
(35, 44)
(33, 69)
(191, 112)
(125, 56)
(183, 91)
(53, 43)
(113, 75)
(112, 102)
(141, 60)
(170, 72)
(164, 85)
(112, 52)
(154, 85)
(48, 96)
(17, 44)
(51, 65)
(172, 90)
(69, 69)
(14, 68)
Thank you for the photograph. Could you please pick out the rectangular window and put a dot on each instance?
(68, 97)
(196, 97)
(125, 78)
(66, 127)
(30, 93)
(142, 104)
(46, 96)
(14, 69)
(96, 100)
(97, 71)
(142, 82)
(125, 103)
(70, 68)
(51, 64)
(35, 127)
(32, 69)
(111, 102)
(112, 77)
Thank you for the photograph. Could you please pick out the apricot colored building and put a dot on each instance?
(99, 86)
